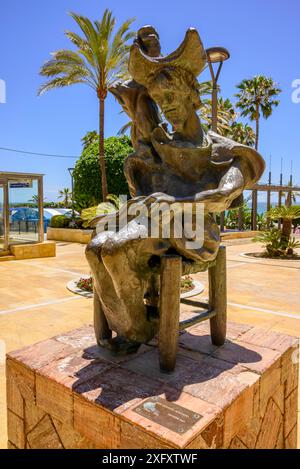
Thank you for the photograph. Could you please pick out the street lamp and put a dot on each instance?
(71, 171)
(215, 55)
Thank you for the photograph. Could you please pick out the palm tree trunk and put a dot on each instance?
(286, 230)
(101, 150)
(257, 127)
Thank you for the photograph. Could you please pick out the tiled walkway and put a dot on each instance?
(35, 304)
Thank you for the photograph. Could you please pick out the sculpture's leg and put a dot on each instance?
(102, 330)
(169, 311)
(218, 298)
(104, 289)
(130, 277)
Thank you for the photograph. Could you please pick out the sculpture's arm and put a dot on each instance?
(230, 187)
(215, 200)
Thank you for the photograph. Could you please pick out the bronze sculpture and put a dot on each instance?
(182, 166)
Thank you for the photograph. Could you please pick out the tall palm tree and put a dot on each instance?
(66, 195)
(98, 61)
(256, 97)
(242, 133)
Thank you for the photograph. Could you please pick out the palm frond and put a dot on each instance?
(284, 212)
(257, 92)
(125, 128)
(99, 59)
(60, 82)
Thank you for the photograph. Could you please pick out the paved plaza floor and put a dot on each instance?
(35, 304)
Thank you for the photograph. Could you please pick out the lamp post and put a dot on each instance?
(269, 192)
(216, 55)
(71, 171)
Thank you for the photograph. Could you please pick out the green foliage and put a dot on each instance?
(83, 201)
(257, 94)
(89, 138)
(87, 174)
(85, 284)
(292, 244)
(226, 113)
(276, 244)
(284, 212)
(272, 242)
(186, 284)
(241, 133)
(59, 221)
(112, 205)
(115, 201)
(98, 59)
(66, 195)
(232, 217)
(261, 221)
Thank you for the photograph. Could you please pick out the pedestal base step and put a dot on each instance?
(66, 392)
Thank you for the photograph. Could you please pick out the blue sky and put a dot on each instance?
(262, 36)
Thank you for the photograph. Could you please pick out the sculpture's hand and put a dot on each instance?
(212, 194)
(220, 198)
(230, 187)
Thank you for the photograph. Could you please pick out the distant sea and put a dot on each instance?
(262, 206)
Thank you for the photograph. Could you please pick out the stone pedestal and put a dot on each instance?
(65, 392)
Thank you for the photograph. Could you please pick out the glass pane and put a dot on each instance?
(23, 211)
(1, 219)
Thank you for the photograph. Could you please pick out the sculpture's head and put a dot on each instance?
(175, 91)
(171, 80)
(148, 40)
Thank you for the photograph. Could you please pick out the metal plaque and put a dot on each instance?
(169, 415)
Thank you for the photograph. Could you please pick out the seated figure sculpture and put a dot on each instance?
(181, 166)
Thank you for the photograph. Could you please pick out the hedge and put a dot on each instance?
(87, 178)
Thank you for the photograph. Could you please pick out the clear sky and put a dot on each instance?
(262, 36)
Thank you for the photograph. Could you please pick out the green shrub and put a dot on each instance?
(89, 214)
(275, 243)
(59, 221)
(87, 179)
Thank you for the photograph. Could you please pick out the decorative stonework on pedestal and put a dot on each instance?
(66, 392)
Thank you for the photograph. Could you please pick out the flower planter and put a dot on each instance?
(69, 234)
(73, 287)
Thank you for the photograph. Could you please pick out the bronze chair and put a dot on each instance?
(168, 301)
(169, 306)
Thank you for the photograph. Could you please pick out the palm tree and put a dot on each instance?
(89, 138)
(242, 133)
(290, 197)
(34, 199)
(98, 61)
(287, 215)
(66, 195)
(226, 114)
(257, 96)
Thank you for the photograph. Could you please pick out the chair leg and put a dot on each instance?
(218, 298)
(102, 330)
(170, 280)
